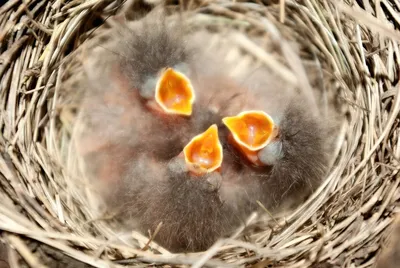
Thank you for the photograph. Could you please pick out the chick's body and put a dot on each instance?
(136, 153)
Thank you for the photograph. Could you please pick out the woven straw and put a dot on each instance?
(356, 45)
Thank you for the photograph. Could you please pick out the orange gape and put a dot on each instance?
(203, 154)
(174, 93)
(251, 131)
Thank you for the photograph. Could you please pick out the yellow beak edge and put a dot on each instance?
(251, 131)
(203, 154)
(174, 93)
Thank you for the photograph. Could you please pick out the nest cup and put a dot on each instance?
(46, 218)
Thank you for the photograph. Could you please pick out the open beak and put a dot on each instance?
(174, 93)
(251, 131)
(203, 154)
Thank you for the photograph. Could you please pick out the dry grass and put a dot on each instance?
(342, 222)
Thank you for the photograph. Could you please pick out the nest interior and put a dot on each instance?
(356, 46)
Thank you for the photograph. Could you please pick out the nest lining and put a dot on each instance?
(341, 223)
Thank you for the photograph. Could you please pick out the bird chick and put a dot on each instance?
(286, 152)
(172, 138)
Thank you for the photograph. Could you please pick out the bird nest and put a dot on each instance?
(355, 44)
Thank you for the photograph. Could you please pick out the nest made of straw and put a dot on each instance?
(356, 45)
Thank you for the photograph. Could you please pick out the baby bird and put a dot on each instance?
(281, 141)
(171, 137)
